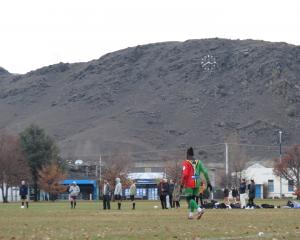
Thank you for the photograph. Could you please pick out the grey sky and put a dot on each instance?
(36, 33)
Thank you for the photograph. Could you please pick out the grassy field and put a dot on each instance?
(57, 221)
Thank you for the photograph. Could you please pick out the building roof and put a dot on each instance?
(146, 175)
(79, 181)
(256, 165)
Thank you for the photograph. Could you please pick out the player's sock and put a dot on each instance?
(71, 204)
(26, 204)
(119, 206)
(200, 212)
(190, 215)
(193, 205)
(133, 206)
(74, 204)
(22, 204)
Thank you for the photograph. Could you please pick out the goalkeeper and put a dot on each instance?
(190, 181)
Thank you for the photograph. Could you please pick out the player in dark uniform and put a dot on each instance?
(23, 194)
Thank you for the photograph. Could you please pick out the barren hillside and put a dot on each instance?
(161, 96)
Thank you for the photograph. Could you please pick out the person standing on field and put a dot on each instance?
(106, 195)
(234, 195)
(176, 195)
(23, 194)
(118, 192)
(171, 189)
(190, 180)
(74, 191)
(226, 196)
(251, 193)
(132, 193)
(162, 192)
(243, 193)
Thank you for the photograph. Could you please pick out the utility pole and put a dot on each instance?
(280, 134)
(100, 164)
(226, 163)
(100, 173)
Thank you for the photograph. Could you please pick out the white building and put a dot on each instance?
(146, 183)
(267, 184)
(12, 195)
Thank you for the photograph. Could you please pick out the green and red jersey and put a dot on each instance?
(191, 170)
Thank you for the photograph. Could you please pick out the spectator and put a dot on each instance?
(162, 192)
(234, 194)
(251, 188)
(226, 196)
(176, 195)
(243, 193)
(106, 195)
(118, 192)
(132, 193)
(171, 189)
(201, 192)
(23, 194)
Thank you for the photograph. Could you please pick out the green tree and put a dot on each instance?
(39, 149)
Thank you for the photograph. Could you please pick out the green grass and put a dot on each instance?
(87, 221)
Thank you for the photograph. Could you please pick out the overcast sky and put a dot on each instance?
(36, 33)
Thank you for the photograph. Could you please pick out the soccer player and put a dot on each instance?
(74, 191)
(132, 193)
(118, 192)
(23, 194)
(190, 181)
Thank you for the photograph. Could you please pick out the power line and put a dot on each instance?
(179, 149)
(152, 151)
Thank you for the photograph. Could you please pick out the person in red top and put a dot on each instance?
(191, 181)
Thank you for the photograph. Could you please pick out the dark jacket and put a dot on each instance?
(251, 188)
(163, 188)
(106, 189)
(243, 188)
(234, 192)
(23, 190)
(226, 192)
(171, 188)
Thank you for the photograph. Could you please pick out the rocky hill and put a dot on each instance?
(161, 96)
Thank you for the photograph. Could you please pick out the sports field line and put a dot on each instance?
(264, 235)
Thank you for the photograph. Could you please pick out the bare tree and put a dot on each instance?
(173, 164)
(220, 178)
(237, 159)
(114, 166)
(50, 177)
(289, 166)
(13, 165)
(173, 170)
